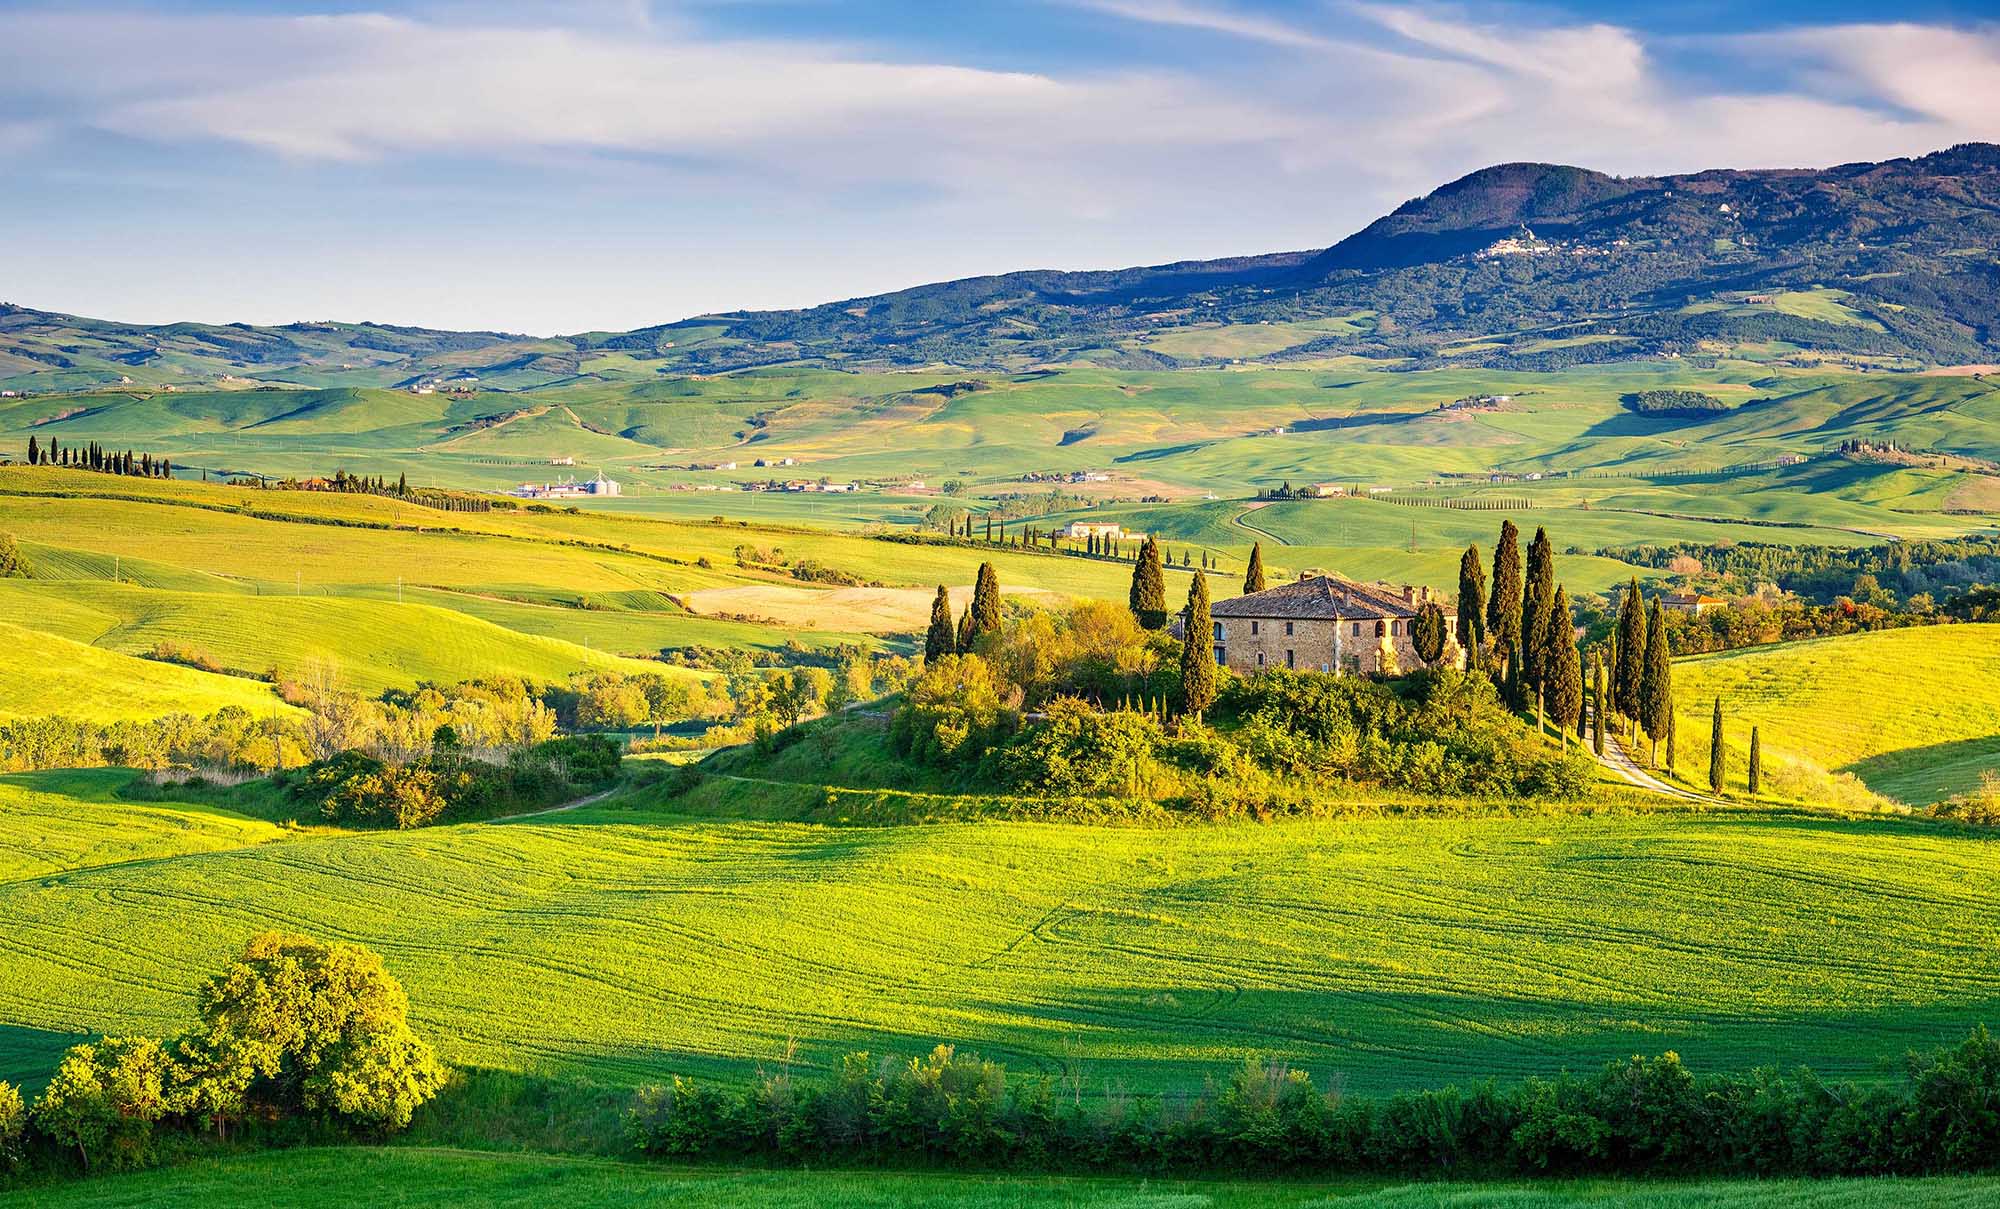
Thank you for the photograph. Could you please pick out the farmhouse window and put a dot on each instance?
(1260, 659)
(1221, 655)
(1253, 629)
(1288, 629)
(1218, 628)
(1289, 661)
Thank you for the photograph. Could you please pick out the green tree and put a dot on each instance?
(1427, 632)
(1756, 763)
(1599, 706)
(1198, 652)
(1516, 687)
(1471, 606)
(13, 1129)
(1253, 576)
(1148, 596)
(1563, 679)
(1628, 672)
(1503, 608)
(1716, 767)
(319, 1029)
(1537, 610)
(667, 700)
(12, 565)
(34, 458)
(105, 1098)
(942, 639)
(985, 602)
(610, 701)
(1656, 687)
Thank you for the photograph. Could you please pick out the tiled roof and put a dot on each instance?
(1323, 597)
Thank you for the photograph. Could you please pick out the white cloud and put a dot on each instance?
(1210, 19)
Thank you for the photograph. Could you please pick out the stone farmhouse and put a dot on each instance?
(1321, 623)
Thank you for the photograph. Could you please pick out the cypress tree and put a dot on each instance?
(1148, 597)
(1656, 688)
(1471, 605)
(1253, 576)
(34, 451)
(1537, 611)
(1516, 688)
(1427, 633)
(1503, 608)
(985, 611)
(1628, 672)
(1563, 673)
(963, 638)
(1598, 706)
(942, 639)
(1756, 763)
(1198, 652)
(1715, 764)
(402, 484)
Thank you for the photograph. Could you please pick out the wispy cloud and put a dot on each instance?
(1216, 20)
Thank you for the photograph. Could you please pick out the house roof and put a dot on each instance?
(1324, 597)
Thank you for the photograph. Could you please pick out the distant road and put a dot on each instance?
(1619, 761)
(1238, 521)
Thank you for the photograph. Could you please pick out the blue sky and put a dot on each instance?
(568, 167)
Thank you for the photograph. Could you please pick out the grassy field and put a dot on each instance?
(395, 1177)
(1915, 714)
(620, 943)
(48, 674)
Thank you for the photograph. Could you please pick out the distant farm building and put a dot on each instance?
(1079, 530)
(1692, 603)
(1323, 623)
(568, 489)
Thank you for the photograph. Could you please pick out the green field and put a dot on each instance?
(394, 1177)
(1914, 714)
(620, 943)
(53, 675)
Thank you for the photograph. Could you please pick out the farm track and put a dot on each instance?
(1240, 522)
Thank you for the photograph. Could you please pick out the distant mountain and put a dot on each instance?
(1523, 265)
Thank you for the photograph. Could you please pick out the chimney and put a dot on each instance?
(1409, 594)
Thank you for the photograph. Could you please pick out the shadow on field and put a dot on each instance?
(28, 1055)
(1932, 773)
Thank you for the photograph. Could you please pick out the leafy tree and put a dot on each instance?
(1471, 606)
(1197, 652)
(1563, 683)
(1756, 763)
(1537, 611)
(952, 713)
(612, 702)
(1716, 768)
(667, 700)
(1503, 608)
(1253, 576)
(1148, 596)
(1656, 688)
(319, 1029)
(12, 565)
(1427, 632)
(1628, 674)
(13, 1129)
(105, 1098)
(942, 639)
(985, 602)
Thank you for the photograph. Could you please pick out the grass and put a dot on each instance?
(398, 1177)
(49, 674)
(619, 943)
(1914, 713)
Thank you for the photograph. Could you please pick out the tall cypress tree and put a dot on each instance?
(1656, 686)
(1715, 763)
(942, 638)
(1148, 597)
(1253, 576)
(34, 451)
(1599, 706)
(1756, 763)
(985, 610)
(1515, 688)
(1537, 610)
(1562, 681)
(1503, 608)
(1198, 652)
(1628, 672)
(1471, 606)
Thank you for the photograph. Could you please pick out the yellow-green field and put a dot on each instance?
(1914, 714)
(48, 674)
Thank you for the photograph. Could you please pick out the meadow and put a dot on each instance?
(394, 1177)
(621, 942)
(1913, 714)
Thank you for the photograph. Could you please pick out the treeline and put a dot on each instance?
(93, 456)
(1674, 403)
(354, 789)
(293, 1038)
(343, 483)
(1641, 1116)
(1909, 569)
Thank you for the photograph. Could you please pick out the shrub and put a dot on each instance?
(104, 1100)
(952, 713)
(13, 1128)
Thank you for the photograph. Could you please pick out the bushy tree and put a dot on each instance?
(951, 714)
(13, 1129)
(1148, 596)
(1503, 608)
(105, 1098)
(1471, 606)
(985, 609)
(1656, 687)
(942, 639)
(12, 565)
(1427, 632)
(1253, 575)
(317, 1029)
(1197, 689)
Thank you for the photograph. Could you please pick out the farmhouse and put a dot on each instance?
(1078, 530)
(1323, 623)
(568, 489)
(1694, 603)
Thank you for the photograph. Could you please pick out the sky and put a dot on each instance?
(557, 168)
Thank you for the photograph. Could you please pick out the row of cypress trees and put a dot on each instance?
(93, 456)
